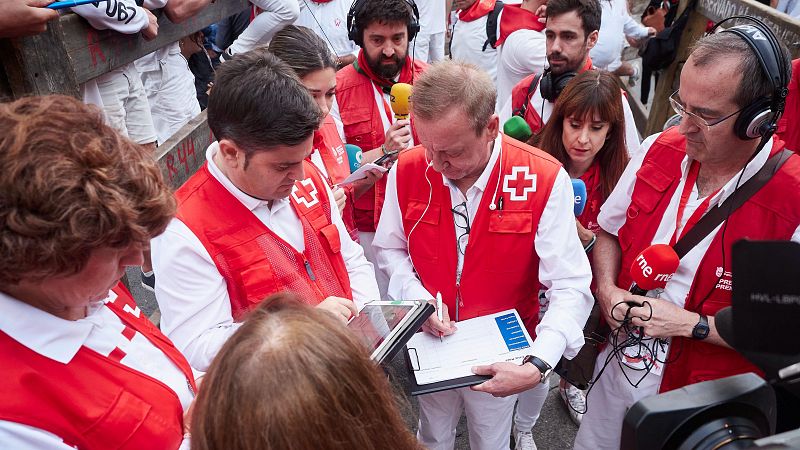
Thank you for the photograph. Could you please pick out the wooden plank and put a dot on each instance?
(184, 152)
(38, 65)
(786, 28)
(669, 79)
(95, 52)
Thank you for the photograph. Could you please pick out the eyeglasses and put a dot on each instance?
(698, 121)
(461, 219)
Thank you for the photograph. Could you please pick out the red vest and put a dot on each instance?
(94, 402)
(363, 127)
(256, 262)
(496, 237)
(789, 124)
(771, 214)
(334, 157)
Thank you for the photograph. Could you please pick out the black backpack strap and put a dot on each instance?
(531, 87)
(716, 216)
(491, 25)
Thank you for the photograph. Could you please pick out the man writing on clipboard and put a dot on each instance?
(484, 229)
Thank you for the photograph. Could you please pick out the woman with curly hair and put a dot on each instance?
(82, 366)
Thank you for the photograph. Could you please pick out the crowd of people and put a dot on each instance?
(263, 254)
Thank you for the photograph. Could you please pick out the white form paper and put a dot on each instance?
(482, 340)
(360, 173)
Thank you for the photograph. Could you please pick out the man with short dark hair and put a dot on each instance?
(572, 30)
(683, 174)
(255, 219)
(383, 29)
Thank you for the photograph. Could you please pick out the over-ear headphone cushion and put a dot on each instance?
(551, 88)
(752, 119)
(354, 33)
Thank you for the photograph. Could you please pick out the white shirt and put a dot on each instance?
(563, 267)
(467, 45)
(613, 215)
(544, 108)
(275, 15)
(192, 294)
(615, 25)
(329, 21)
(123, 16)
(431, 16)
(59, 340)
(524, 52)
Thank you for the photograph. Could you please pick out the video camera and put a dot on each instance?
(742, 411)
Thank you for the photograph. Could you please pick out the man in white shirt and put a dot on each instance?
(683, 173)
(474, 37)
(274, 15)
(329, 20)
(426, 240)
(254, 221)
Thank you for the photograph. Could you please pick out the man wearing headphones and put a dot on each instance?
(731, 95)
(383, 29)
(572, 30)
(483, 224)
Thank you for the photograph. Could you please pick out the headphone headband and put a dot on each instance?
(754, 121)
(354, 33)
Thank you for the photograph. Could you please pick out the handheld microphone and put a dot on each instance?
(579, 190)
(517, 128)
(354, 154)
(653, 268)
(400, 99)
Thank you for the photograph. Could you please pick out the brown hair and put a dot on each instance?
(452, 84)
(292, 377)
(70, 184)
(593, 91)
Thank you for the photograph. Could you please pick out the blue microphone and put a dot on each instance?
(579, 191)
(354, 154)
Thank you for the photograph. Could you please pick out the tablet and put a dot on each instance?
(386, 326)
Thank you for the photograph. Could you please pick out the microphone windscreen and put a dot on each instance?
(579, 190)
(654, 266)
(400, 98)
(353, 156)
(517, 128)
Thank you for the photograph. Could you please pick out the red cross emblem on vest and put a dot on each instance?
(519, 183)
(305, 193)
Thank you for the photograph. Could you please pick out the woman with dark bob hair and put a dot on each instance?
(293, 377)
(83, 367)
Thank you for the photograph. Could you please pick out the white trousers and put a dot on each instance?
(529, 406)
(607, 403)
(428, 48)
(488, 419)
(125, 104)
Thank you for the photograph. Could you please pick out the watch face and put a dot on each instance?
(701, 331)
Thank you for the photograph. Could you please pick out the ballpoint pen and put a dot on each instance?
(71, 3)
(439, 310)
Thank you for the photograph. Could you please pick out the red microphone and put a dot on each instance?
(652, 268)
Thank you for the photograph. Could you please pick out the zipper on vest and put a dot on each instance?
(309, 271)
(191, 389)
(459, 301)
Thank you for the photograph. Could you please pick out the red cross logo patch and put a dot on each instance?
(519, 183)
(308, 196)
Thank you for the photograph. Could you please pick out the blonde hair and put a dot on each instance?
(450, 84)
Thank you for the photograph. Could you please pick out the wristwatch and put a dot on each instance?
(543, 367)
(701, 330)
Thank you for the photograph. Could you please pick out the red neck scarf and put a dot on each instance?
(406, 73)
(478, 9)
(515, 18)
(321, 1)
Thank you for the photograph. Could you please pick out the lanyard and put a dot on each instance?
(386, 109)
(691, 179)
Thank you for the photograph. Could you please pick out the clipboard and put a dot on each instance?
(386, 326)
(435, 366)
(419, 389)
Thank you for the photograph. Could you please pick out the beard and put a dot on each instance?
(386, 67)
(565, 64)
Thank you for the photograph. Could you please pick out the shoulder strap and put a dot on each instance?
(715, 217)
(531, 87)
(491, 25)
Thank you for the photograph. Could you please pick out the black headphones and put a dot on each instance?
(354, 33)
(759, 119)
(551, 85)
